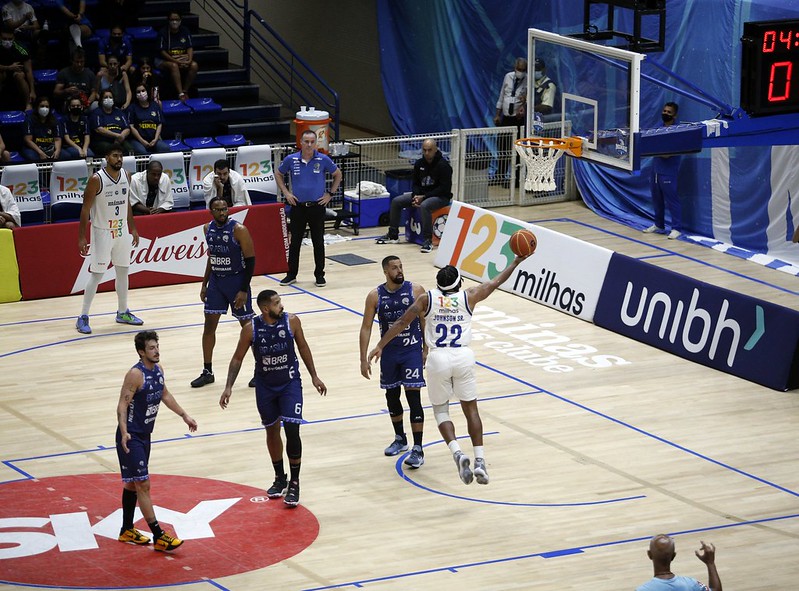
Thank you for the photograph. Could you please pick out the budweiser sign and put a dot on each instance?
(180, 253)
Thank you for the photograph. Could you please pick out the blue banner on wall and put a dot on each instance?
(716, 327)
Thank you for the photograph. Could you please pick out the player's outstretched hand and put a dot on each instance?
(320, 386)
(190, 422)
(374, 354)
(706, 553)
(225, 398)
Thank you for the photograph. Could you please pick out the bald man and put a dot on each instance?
(661, 552)
(432, 190)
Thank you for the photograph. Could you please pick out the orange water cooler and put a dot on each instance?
(309, 119)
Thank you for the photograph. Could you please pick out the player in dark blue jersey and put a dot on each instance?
(142, 392)
(403, 359)
(231, 262)
(278, 388)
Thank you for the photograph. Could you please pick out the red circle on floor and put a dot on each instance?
(63, 531)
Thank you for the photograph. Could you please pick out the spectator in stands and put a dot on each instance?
(19, 16)
(9, 210)
(119, 46)
(76, 81)
(42, 133)
(5, 155)
(661, 552)
(70, 18)
(225, 184)
(75, 126)
(146, 120)
(177, 55)
(510, 110)
(431, 190)
(109, 126)
(16, 72)
(113, 79)
(544, 89)
(144, 75)
(151, 190)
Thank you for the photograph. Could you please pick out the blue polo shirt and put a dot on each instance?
(307, 178)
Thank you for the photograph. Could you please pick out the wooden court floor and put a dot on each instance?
(585, 465)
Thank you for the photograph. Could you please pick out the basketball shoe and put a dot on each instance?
(278, 488)
(292, 498)
(462, 461)
(480, 471)
(166, 543)
(416, 458)
(127, 317)
(397, 446)
(134, 536)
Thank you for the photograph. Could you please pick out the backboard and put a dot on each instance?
(598, 95)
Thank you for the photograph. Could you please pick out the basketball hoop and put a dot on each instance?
(540, 154)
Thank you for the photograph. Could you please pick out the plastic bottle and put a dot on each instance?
(46, 25)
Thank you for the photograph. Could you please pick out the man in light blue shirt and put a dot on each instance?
(661, 552)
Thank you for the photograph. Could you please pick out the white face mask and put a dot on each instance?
(44, 111)
(108, 102)
(518, 74)
(8, 43)
(142, 96)
(539, 74)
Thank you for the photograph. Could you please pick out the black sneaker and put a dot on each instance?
(292, 498)
(288, 280)
(278, 488)
(320, 282)
(252, 383)
(206, 377)
(388, 239)
(427, 246)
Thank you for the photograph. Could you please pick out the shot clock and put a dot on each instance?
(770, 67)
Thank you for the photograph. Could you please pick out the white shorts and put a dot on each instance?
(105, 249)
(450, 373)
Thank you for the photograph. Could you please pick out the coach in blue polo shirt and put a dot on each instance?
(307, 170)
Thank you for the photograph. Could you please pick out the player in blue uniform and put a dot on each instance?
(142, 392)
(231, 262)
(278, 387)
(403, 358)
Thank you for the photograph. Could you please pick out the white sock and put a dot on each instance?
(122, 289)
(74, 30)
(90, 291)
(454, 447)
(478, 452)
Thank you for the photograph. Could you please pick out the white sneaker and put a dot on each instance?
(674, 234)
(462, 461)
(653, 229)
(480, 472)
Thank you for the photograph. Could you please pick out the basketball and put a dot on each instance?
(523, 242)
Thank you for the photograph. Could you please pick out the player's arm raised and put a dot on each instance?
(133, 381)
(89, 195)
(369, 310)
(245, 340)
(482, 291)
(305, 353)
(416, 310)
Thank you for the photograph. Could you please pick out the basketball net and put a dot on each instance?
(540, 155)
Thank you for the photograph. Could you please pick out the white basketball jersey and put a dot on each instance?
(448, 321)
(110, 211)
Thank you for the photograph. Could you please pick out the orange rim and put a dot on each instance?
(570, 144)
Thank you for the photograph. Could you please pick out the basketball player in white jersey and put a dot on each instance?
(113, 234)
(450, 363)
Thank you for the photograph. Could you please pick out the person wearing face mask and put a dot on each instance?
(177, 55)
(19, 16)
(510, 110)
(146, 120)
(119, 46)
(664, 184)
(544, 89)
(115, 80)
(108, 126)
(42, 139)
(144, 75)
(75, 142)
(16, 72)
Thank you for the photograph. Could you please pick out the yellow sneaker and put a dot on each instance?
(166, 543)
(133, 536)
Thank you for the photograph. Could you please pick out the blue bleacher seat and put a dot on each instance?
(177, 146)
(203, 105)
(16, 158)
(175, 107)
(196, 143)
(232, 140)
(12, 117)
(45, 76)
(142, 32)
